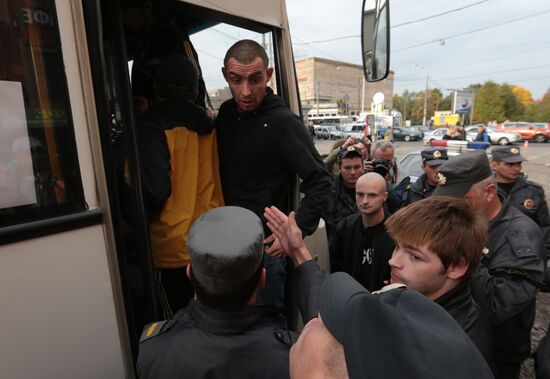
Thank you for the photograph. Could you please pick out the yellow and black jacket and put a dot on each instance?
(180, 175)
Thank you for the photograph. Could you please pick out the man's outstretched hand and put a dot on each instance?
(288, 234)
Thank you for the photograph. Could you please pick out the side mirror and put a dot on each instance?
(375, 39)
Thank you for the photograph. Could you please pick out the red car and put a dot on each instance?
(528, 131)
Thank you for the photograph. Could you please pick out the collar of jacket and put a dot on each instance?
(226, 323)
(269, 102)
(502, 216)
(421, 185)
(455, 297)
(342, 194)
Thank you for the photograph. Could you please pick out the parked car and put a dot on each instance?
(324, 131)
(436, 134)
(338, 132)
(497, 137)
(406, 134)
(355, 130)
(420, 128)
(527, 131)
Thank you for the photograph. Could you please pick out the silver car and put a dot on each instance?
(436, 134)
(497, 137)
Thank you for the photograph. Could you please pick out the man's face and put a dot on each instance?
(386, 154)
(307, 354)
(506, 172)
(431, 174)
(351, 169)
(248, 82)
(419, 269)
(369, 196)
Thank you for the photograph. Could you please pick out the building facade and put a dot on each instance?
(326, 83)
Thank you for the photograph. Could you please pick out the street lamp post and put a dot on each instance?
(425, 101)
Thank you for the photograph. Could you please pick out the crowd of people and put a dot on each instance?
(436, 278)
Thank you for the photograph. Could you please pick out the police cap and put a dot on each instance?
(458, 174)
(434, 156)
(225, 247)
(508, 154)
(350, 152)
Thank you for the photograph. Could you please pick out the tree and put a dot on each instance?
(513, 108)
(489, 104)
(523, 95)
(542, 112)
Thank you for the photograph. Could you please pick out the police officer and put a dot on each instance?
(511, 269)
(222, 333)
(523, 194)
(424, 186)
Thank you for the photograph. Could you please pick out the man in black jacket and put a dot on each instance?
(439, 245)
(522, 194)
(222, 333)
(360, 245)
(511, 270)
(341, 202)
(263, 147)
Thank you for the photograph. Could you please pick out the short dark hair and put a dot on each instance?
(245, 51)
(451, 228)
(234, 299)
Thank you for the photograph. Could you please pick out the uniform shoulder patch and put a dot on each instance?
(156, 328)
(285, 336)
(520, 244)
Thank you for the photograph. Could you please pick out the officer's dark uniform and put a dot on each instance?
(421, 189)
(525, 195)
(209, 341)
(341, 202)
(511, 269)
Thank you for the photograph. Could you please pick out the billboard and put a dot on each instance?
(462, 102)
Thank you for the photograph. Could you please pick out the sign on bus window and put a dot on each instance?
(39, 171)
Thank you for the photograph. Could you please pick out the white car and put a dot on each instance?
(436, 134)
(497, 137)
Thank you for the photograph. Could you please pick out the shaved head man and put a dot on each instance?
(360, 245)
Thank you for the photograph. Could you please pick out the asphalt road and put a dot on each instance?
(538, 170)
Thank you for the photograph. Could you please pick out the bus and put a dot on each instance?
(76, 278)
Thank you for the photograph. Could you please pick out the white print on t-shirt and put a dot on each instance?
(367, 256)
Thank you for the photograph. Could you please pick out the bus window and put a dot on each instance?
(39, 171)
(211, 60)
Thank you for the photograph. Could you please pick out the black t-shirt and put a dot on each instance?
(362, 266)
(506, 187)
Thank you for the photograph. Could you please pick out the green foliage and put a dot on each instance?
(542, 112)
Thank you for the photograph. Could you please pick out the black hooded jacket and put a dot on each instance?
(261, 152)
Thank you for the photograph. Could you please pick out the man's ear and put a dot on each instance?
(269, 73)
(385, 196)
(491, 192)
(493, 164)
(188, 270)
(457, 270)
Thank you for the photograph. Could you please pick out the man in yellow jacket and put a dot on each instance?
(180, 175)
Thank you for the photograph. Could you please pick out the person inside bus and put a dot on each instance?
(152, 35)
(353, 333)
(441, 268)
(180, 176)
(222, 333)
(263, 147)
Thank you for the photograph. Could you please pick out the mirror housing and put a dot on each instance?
(375, 39)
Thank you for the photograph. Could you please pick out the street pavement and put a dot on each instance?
(538, 170)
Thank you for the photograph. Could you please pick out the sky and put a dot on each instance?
(454, 43)
(472, 42)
